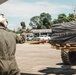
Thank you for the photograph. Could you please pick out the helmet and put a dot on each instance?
(3, 20)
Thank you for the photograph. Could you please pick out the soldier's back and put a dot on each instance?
(7, 42)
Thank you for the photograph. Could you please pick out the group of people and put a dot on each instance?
(8, 40)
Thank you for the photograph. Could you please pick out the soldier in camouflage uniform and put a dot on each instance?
(19, 37)
(23, 31)
(8, 65)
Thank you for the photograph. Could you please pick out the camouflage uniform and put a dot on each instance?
(8, 65)
(19, 37)
(23, 32)
(23, 35)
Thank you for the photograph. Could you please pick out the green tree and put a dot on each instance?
(62, 18)
(34, 22)
(70, 17)
(41, 22)
(45, 19)
(55, 21)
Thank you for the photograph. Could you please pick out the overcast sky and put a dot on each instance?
(17, 11)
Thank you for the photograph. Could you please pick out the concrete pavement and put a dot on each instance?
(41, 59)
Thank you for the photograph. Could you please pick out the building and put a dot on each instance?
(2, 1)
(38, 32)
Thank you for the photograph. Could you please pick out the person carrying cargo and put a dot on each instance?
(23, 34)
(8, 65)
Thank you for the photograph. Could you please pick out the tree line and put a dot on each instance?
(44, 20)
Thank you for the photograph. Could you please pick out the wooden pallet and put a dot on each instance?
(71, 47)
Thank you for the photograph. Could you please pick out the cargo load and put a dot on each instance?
(64, 33)
(64, 38)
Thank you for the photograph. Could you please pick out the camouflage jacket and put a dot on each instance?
(7, 44)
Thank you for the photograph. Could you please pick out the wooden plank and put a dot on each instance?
(70, 47)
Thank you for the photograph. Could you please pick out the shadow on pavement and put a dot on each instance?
(28, 74)
(63, 70)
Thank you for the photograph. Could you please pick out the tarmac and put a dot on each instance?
(41, 59)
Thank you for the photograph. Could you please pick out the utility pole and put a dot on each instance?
(75, 12)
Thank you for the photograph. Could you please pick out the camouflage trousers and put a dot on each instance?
(9, 67)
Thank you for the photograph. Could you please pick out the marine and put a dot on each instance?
(8, 65)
